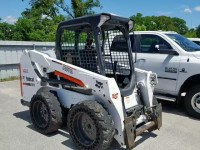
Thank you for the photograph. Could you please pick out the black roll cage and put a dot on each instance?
(95, 22)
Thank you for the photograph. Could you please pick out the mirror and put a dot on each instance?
(163, 49)
(157, 47)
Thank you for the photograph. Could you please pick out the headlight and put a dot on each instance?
(153, 79)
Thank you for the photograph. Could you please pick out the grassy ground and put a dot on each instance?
(10, 79)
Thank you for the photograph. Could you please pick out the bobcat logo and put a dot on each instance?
(99, 84)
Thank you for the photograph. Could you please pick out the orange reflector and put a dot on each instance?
(72, 79)
(20, 79)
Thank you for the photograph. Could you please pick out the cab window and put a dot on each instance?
(148, 44)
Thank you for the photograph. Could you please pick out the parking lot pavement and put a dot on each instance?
(179, 132)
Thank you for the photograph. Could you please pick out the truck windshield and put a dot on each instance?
(183, 42)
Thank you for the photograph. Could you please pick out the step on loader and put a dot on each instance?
(91, 86)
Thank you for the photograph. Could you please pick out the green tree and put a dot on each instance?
(139, 28)
(42, 7)
(198, 31)
(180, 25)
(40, 21)
(164, 23)
(6, 31)
(51, 8)
(84, 7)
(191, 33)
(23, 28)
(43, 29)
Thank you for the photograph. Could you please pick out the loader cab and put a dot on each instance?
(90, 43)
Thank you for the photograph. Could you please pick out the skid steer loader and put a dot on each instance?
(91, 85)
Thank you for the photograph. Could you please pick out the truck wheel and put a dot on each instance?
(46, 112)
(90, 126)
(192, 101)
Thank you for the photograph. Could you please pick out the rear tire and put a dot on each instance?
(46, 112)
(192, 101)
(90, 126)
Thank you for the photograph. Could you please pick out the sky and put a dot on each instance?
(189, 10)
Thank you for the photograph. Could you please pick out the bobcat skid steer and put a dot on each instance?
(91, 86)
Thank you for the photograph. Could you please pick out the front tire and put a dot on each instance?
(46, 112)
(192, 101)
(90, 126)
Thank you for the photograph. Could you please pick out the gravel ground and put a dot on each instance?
(179, 131)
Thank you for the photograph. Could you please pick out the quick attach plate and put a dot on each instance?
(130, 128)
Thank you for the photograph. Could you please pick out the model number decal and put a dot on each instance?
(171, 69)
(67, 69)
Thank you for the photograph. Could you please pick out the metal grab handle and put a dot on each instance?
(141, 60)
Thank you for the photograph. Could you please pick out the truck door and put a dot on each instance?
(165, 65)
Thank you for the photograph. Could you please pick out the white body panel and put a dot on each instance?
(157, 64)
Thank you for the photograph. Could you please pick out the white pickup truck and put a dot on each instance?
(176, 60)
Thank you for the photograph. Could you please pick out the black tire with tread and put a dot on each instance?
(103, 122)
(187, 103)
(52, 103)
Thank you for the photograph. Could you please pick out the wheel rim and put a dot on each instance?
(196, 102)
(40, 114)
(84, 128)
